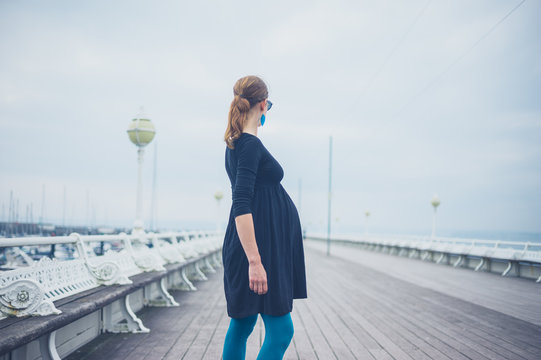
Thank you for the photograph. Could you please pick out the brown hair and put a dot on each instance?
(248, 91)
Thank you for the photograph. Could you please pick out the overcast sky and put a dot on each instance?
(421, 97)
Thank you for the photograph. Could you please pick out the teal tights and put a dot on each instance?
(278, 334)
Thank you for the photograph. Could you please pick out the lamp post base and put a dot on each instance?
(138, 227)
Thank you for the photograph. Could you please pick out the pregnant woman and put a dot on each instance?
(263, 253)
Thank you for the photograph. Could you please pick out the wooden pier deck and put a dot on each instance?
(361, 305)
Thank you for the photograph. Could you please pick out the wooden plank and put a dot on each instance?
(364, 337)
(497, 293)
(375, 330)
(460, 341)
(353, 311)
(337, 273)
(386, 301)
(377, 296)
(498, 338)
(216, 343)
(519, 335)
(184, 341)
(197, 349)
(375, 306)
(335, 339)
(363, 353)
(339, 322)
(301, 341)
(319, 342)
(165, 323)
(438, 314)
(511, 336)
(168, 325)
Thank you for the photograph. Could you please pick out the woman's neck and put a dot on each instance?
(252, 131)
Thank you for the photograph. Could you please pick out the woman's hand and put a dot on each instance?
(256, 272)
(258, 278)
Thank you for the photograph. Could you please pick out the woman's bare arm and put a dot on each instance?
(256, 273)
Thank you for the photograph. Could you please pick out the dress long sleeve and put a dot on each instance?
(256, 188)
(248, 162)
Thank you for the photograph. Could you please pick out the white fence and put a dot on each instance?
(505, 257)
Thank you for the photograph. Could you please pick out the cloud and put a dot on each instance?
(74, 74)
(311, 29)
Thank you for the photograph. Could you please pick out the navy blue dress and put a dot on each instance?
(255, 177)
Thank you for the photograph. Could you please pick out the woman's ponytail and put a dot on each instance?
(248, 91)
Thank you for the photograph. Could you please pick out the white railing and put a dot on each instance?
(31, 288)
(486, 251)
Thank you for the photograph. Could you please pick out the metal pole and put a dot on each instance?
(218, 215)
(26, 222)
(64, 209)
(17, 217)
(10, 215)
(139, 204)
(153, 200)
(32, 217)
(42, 217)
(434, 223)
(329, 201)
(87, 218)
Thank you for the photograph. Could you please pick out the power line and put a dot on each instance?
(389, 56)
(393, 50)
(460, 57)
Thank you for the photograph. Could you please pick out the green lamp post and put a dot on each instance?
(435, 203)
(141, 132)
(366, 214)
(218, 195)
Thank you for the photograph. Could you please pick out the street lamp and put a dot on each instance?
(141, 132)
(435, 203)
(367, 214)
(218, 195)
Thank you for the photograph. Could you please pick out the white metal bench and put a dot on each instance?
(48, 295)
